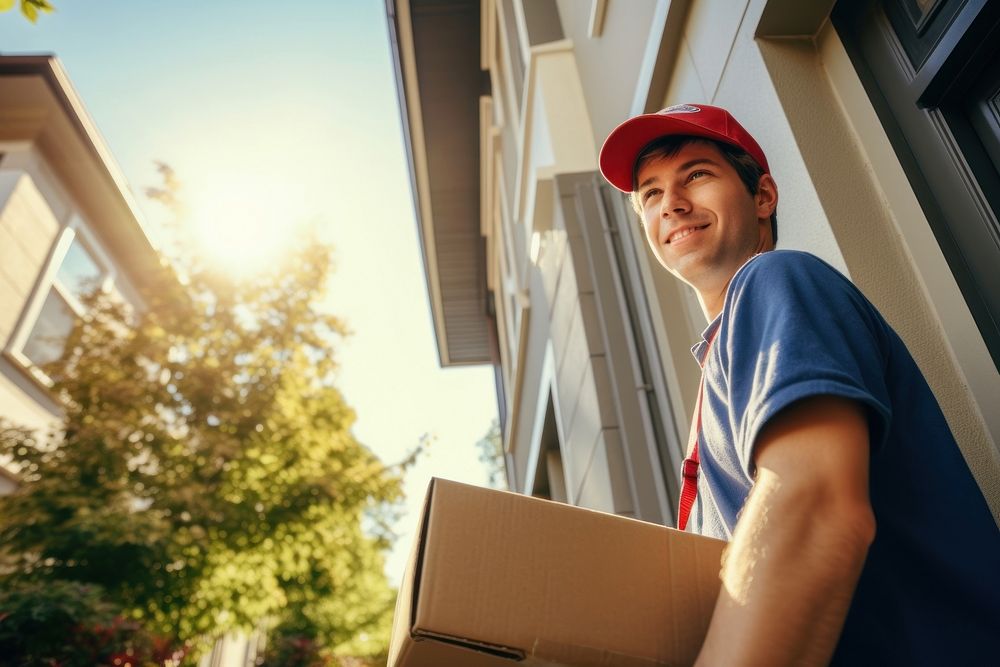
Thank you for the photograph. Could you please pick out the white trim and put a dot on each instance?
(498, 90)
(487, 134)
(503, 335)
(548, 389)
(563, 46)
(37, 299)
(651, 53)
(510, 264)
(545, 382)
(524, 40)
(598, 10)
(73, 230)
(518, 380)
(511, 112)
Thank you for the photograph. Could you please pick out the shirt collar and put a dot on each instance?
(700, 349)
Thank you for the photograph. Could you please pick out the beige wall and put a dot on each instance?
(28, 230)
(609, 64)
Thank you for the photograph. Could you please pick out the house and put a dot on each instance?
(68, 224)
(880, 122)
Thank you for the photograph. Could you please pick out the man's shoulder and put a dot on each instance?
(776, 281)
(787, 272)
(777, 264)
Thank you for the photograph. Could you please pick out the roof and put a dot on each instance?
(38, 104)
(436, 54)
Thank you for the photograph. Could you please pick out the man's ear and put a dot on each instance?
(766, 198)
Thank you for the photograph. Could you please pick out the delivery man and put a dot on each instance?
(857, 534)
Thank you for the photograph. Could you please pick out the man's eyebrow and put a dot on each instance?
(701, 160)
(684, 167)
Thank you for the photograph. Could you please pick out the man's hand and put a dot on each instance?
(797, 552)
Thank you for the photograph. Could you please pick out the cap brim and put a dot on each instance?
(622, 146)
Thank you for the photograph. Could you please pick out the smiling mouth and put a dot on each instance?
(684, 233)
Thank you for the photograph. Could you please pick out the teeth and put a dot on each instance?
(682, 233)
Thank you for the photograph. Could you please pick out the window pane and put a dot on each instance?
(48, 337)
(79, 272)
(920, 9)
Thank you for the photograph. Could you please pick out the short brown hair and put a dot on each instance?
(664, 147)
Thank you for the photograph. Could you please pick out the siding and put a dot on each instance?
(28, 230)
(594, 464)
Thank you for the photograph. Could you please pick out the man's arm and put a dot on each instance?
(797, 552)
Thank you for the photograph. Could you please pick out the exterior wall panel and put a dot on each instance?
(685, 84)
(609, 65)
(22, 401)
(28, 230)
(534, 383)
(582, 434)
(596, 489)
(711, 30)
(618, 474)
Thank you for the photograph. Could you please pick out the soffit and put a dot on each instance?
(437, 61)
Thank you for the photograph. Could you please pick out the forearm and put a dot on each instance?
(788, 578)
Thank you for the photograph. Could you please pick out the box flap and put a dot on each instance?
(402, 620)
(419, 652)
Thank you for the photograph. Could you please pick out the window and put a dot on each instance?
(77, 268)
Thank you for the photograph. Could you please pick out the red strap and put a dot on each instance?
(689, 469)
(689, 487)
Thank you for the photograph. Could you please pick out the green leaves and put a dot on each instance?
(29, 8)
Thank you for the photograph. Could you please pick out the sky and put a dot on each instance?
(273, 114)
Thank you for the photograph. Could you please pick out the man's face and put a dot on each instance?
(701, 222)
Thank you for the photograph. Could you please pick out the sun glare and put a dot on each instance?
(245, 224)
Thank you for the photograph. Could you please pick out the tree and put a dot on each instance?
(29, 8)
(204, 473)
(72, 625)
(491, 454)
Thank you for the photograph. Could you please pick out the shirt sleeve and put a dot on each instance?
(793, 327)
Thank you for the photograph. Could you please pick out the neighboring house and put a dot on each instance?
(881, 122)
(68, 224)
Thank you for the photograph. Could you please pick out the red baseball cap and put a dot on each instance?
(623, 145)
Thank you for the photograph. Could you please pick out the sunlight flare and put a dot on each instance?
(246, 223)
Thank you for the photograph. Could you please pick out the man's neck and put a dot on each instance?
(713, 297)
(713, 301)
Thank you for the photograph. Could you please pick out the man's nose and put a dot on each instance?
(673, 203)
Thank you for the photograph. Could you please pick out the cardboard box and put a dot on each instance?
(499, 578)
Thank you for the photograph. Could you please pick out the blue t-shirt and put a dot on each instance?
(793, 327)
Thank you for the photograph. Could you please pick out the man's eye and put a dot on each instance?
(649, 194)
(697, 174)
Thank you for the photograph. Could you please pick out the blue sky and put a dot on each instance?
(274, 113)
